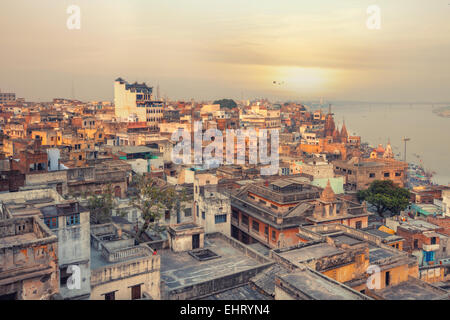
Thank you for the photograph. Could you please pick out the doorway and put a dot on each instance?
(195, 241)
(136, 292)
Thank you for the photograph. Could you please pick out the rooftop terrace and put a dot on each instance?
(315, 286)
(235, 264)
(413, 289)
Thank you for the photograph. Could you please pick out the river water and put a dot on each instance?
(378, 123)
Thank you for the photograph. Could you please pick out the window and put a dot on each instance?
(398, 174)
(433, 240)
(63, 276)
(262, 201)
(274, 235)
(386, 174)
(255, 226)
(235, 215)
(387, 278)
(245, 220)
(416, 243)
(187, 212)
(266, 230)
(73, 219)
(358, 225)
(274, 206)
(52, 222)
(371, 175)
(203, 215)
(429, 256)
(220, 218)
(110, 296)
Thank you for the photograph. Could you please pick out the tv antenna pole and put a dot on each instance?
(405, 140)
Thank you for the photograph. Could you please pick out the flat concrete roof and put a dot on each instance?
(319, 288)
(315, 251)
(417, 224)
(21, 238)
(346, 239)
(411, 290)
(377, 253)
(245, 292)
(382, 234)
(97, 260)
(180, 269)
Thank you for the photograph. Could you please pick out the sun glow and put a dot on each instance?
(304, 78)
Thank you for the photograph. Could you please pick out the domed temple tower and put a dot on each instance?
(329, 124)
(388, 154)
(344, 134)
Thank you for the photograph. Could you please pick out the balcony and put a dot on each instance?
(430, 247)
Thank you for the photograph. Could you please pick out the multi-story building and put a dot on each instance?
(69, 221)
(121, 270)
(137, 100)
(98, 178)
(271, 213)
(358, 260)
(28, 259)
(71, 224)
(212, 209)
(7, 97)
(360, 173)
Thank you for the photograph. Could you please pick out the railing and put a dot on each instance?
(123, 254)
(283, 198)
(430, 247)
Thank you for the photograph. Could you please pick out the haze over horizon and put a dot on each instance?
(234, 49)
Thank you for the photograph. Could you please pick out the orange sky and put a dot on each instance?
(214, 49)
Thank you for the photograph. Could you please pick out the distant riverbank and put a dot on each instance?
(380, 123)
(443, 112)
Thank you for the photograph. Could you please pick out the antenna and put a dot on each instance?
(405, 140)
(157, 92)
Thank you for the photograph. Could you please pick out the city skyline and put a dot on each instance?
(208, 51)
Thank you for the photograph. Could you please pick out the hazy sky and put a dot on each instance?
(208, 49)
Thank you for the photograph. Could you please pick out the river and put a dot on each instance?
(378, 123)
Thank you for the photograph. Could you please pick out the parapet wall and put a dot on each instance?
(221, 282)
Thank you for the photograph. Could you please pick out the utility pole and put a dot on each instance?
(405, 140)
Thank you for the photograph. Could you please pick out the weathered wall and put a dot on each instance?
(122, 276)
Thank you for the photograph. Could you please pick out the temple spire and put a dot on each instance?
(328, 194)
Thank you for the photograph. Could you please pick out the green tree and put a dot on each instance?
(100, 206)
(226, 103)
(151, 200)
(385, 196)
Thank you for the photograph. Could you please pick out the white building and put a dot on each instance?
(135, 102)
(446, 202)
(212, 209)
